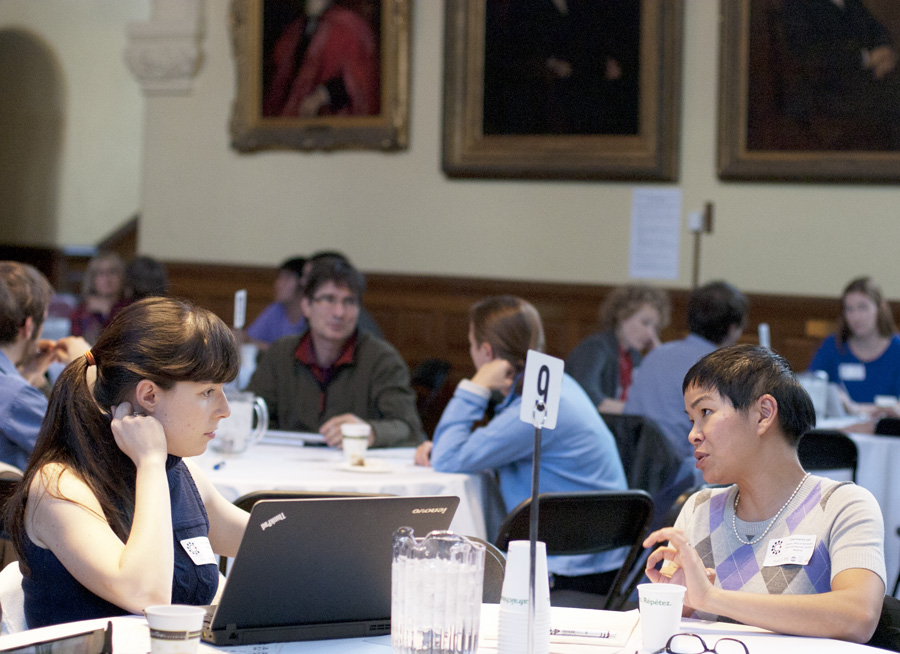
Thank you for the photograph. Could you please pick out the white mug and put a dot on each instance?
(236, 433)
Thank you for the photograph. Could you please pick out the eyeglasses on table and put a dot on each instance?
(694, 644)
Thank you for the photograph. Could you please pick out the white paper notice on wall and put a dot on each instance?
(240, 308)
(542, 383)
(655, 231)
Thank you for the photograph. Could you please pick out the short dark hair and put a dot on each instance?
(714, 308)
(744, 373)
(294, 265)
(337, 270)
(24, 293)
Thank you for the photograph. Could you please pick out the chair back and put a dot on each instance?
(494, 570)
(428, 381)
(247, 501)
(10, 477)
(828, 449)
(652, 463)
(888, 426)
(586, 522)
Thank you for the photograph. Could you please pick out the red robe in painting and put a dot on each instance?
(343, 48)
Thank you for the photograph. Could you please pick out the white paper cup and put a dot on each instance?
(660, 606)
(512, 629)
(355, 442)
(174, 628)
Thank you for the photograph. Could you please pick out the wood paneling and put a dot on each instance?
(427, 316)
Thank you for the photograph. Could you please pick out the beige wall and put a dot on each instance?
(98, 185)
(398, 212)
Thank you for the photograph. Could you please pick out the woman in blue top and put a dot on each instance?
(109, 519)
(864, 355)
(578, 455)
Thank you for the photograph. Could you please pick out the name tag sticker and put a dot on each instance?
(852, 372)
(199, 550)
(791, 550)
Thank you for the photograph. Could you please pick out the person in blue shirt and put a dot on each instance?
(111, 515)
(24, 358)
(863, 356)
(578, 455)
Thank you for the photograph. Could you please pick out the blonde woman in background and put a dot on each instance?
(631, 318)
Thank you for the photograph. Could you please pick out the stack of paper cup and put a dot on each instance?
(512, 632)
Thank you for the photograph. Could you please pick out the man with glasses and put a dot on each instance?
(333, 373)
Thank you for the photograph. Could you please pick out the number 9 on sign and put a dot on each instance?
(542, 383)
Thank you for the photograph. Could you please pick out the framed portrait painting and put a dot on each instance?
(562, 89)
(809, 90)
(320, 74)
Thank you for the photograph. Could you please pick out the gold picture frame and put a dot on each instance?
(778, 120)
(384, 120)
(650, 152)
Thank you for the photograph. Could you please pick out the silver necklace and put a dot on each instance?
(737, 499)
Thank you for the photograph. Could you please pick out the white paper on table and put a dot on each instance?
(621, 623)
(655, 233)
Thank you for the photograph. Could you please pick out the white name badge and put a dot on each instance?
(199, 550)
(543, 381)
(852, 371)
(790, 550)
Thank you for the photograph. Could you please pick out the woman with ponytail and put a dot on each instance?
(578, 455)
(111, 515)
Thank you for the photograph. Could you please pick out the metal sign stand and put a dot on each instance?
(538, 416)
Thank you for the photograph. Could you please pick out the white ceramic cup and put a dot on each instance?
(660, 606)
(355, 442)
(174, 628)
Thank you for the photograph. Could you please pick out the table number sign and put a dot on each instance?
(543, 381)
(240, 308)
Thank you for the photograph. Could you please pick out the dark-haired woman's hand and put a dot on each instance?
(496, 375)
(140, 437)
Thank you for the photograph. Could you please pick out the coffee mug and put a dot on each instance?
(237, 433)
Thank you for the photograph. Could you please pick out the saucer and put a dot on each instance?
(371, 465)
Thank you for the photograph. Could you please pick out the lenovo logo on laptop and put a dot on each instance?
(271, 521)
(437, 509)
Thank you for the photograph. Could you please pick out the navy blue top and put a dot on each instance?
(53, 596)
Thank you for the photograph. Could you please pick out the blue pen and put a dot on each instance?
(218, 465)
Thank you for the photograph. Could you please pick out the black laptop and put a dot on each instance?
(315, 569)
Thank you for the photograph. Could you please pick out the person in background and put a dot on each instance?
(334, 373)
(631, 318)
(285, 315)
(863, 356)
(145, 277)
(717, 314)
(776, 548)
(112, 516)
(103, 294)
(578, 455)
(24, 358)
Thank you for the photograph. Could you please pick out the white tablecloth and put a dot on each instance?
(293, 467)
(131, 636)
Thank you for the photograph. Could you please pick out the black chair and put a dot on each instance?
(651, 461)
(828, 449)
(247, 501)
(587, 522)
(888, 427)
(428, 380)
